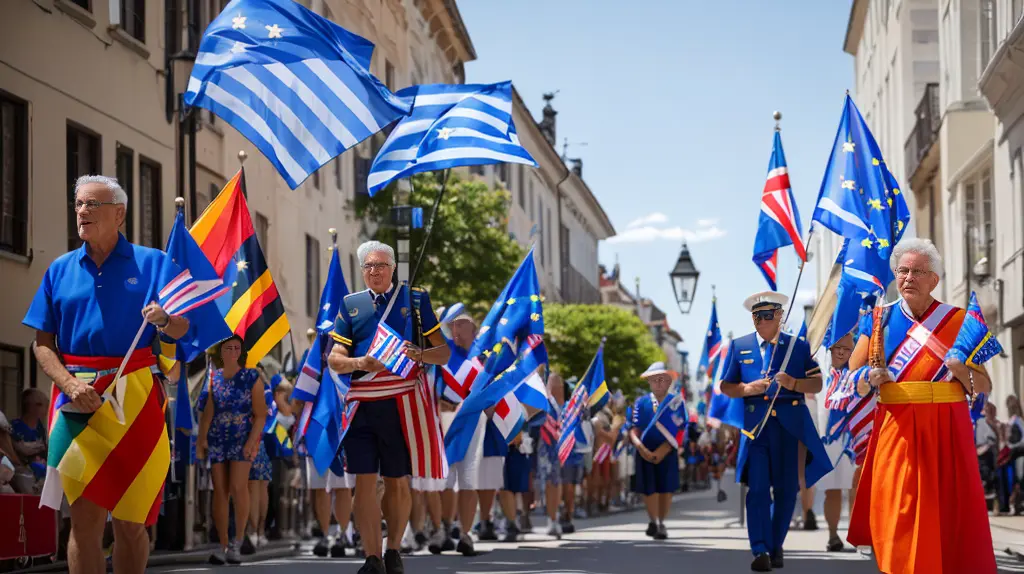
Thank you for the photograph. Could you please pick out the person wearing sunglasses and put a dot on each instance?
(757, 367)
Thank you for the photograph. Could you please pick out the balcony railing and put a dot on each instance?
(926, 127)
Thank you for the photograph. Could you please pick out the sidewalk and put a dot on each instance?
(200, 555)
(1014, 523)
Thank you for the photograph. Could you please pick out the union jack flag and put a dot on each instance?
(779, 222)
(569, 422)
(388, 347)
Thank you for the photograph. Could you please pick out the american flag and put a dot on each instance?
(549, 431)
(389, 348)
(779, 222)
(185, 293)
(570, 421)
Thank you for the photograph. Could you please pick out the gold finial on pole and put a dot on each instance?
(334, 238)
(242, 156)
(179, 202)
(777, 115)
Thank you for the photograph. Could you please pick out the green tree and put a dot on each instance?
(573, 333)
(471, 254)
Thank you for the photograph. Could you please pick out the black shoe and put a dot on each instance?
(487, 531)
(652, 529)
(465, 546)
(338, 548)
(762, 563)
(722, 496)
(511, 532)
(321, 548)
(393, 562)
(835, 544)
(448, 545)
(662, 532)
(247, 549)
(568, 527)
(810, 521)
(421, 540)
(456, 532)
(777, 559)
(373, 565)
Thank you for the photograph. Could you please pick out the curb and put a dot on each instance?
(276, 549)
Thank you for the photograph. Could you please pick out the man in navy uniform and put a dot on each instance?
(386, 434)
(757, 366)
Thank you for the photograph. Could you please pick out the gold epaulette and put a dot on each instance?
(343, 340)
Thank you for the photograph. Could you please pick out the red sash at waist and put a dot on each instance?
(106, 367)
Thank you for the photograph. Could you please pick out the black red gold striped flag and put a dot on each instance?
(253, 309)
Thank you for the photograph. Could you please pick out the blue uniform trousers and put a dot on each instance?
(773, 485)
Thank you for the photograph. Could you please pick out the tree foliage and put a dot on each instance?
(573, 333)
(471, 255)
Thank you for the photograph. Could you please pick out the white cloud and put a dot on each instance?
(707, 222)
(650, 218)
(647, 233)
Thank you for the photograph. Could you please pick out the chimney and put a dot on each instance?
(547, 125)
(577, 167)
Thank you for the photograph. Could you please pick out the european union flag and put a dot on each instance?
(189, 292)
(864, 278)
(295, 84)
(517, 314)
(859, 197)
(331, 298)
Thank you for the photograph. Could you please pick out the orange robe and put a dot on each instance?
(920, 502)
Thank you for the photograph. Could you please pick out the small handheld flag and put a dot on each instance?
(389, 348)
(975, 344)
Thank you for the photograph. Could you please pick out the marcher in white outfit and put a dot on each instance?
(842, 475)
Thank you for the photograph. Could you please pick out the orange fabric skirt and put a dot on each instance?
(920, 503)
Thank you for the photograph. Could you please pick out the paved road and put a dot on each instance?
(704, 537)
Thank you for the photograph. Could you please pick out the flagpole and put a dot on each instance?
(430, 226)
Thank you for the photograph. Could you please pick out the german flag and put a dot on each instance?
(253, 309)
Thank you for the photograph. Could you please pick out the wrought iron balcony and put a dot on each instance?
(926, 128)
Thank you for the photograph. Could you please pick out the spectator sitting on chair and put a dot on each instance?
(28, 433)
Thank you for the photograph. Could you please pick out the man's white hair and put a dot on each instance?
(109, 182)
(375, 247)
(919, 246)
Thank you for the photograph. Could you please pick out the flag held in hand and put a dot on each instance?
(975, 344)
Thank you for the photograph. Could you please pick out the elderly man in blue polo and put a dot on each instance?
(771, 371)
(657, 463)
(86, 312)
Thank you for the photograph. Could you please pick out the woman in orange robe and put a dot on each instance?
(920, 502)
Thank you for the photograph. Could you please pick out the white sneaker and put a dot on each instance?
(254, 540)
(262, 541)
(232, 556)
(555, 529)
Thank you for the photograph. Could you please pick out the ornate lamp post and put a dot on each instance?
(684, 280)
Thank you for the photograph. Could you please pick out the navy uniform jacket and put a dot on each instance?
(744, 363)
(358, 317)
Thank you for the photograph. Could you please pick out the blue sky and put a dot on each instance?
(674, 100)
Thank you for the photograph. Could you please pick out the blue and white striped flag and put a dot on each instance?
(295, 84)
(389, 348)
(450, 126)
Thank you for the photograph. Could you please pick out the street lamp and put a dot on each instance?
(684, 280)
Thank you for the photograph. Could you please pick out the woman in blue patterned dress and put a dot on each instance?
(230, 435)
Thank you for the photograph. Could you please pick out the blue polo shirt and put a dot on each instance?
(96, 311)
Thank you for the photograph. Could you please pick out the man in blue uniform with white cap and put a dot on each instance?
(771, 371)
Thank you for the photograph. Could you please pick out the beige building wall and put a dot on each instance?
(1001, 82)
(61, 65)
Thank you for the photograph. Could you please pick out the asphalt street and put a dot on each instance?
(704, 536)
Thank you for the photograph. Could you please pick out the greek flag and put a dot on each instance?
(450, 126)
(295, 84)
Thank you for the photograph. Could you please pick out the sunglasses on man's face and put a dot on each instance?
(764, 315)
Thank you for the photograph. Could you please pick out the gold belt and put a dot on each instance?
(921, 392)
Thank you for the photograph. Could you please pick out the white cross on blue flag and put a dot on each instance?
(295, 84)
(450, 126)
